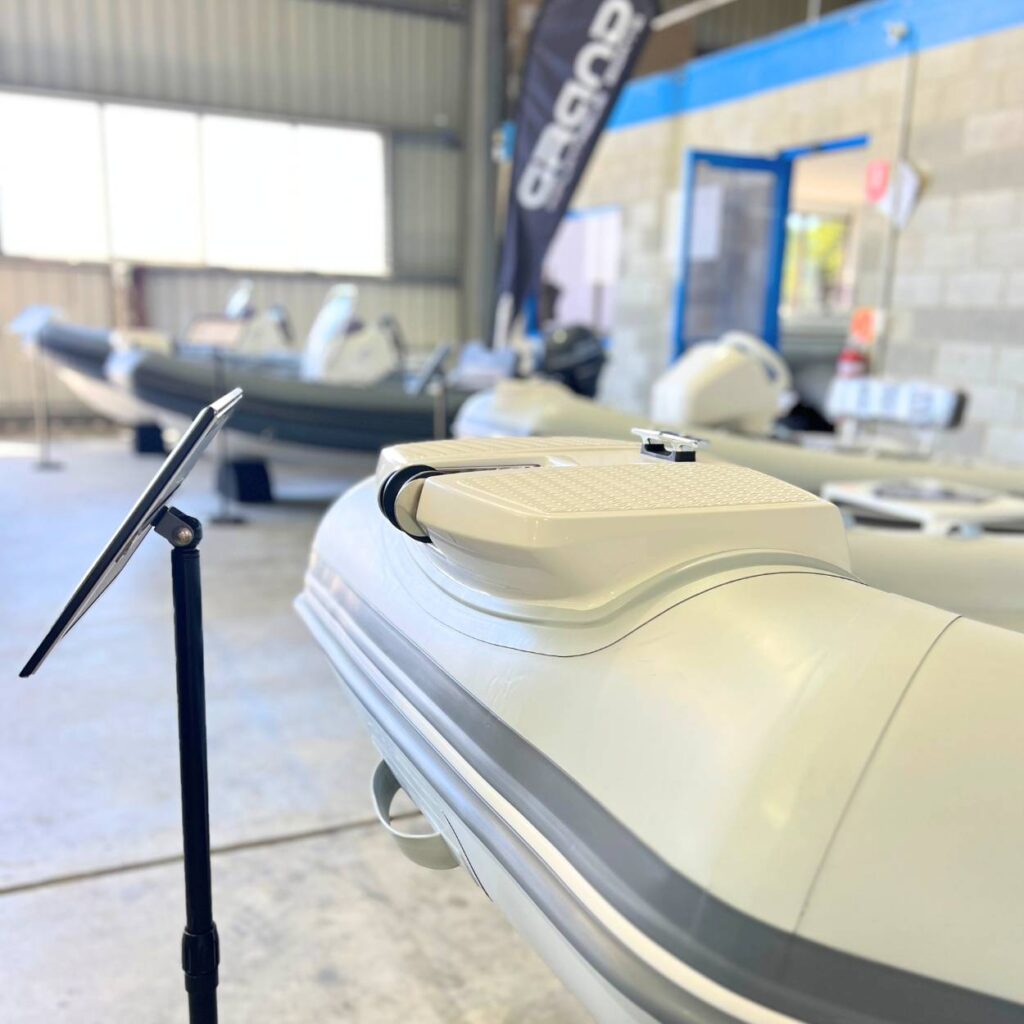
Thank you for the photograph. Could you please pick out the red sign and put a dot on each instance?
(876, 182)
(864, 325)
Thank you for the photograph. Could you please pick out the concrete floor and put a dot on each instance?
(321, 918)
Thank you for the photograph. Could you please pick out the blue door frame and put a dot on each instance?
(781, 166)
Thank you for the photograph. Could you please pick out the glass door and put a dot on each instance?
(733, 242)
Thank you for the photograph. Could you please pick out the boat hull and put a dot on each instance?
(680, 811)
(578, 947)
(976, 576)
(542, 409)
(106, 400)
(282, 416)
(80, 355)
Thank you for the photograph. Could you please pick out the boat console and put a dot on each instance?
(570, 521)
(933, 506)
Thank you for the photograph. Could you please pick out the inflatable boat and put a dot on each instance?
(709, 775)
(285, 416)
(535, 408)
(973, 571)
(349, 392)
(956, 547)
(311, 400)
(80, 354)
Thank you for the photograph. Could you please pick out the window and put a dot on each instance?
(52, 203)
(152, 161)
(89, 181)
(341, 217)
(249, 178)
(817, 277)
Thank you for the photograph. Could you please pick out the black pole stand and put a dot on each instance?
(200, 950)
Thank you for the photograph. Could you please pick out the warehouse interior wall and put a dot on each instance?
(390, 67)
(958, 280)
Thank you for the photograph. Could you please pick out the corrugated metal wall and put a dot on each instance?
(427, 190)
(751, 19)
(172, 296)
(297, 58)
(83, 292)
(342, 62)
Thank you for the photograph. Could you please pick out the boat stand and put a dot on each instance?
(246, 481)
(148, 439)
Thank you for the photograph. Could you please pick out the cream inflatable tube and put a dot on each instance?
(707, 773)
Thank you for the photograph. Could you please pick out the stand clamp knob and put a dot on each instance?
(200, 954)
(178, 529)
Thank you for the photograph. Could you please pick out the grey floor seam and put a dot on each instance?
(216, 851)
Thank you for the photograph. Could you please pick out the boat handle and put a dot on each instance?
(429, 850)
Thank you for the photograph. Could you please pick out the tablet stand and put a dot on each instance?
(200, 949)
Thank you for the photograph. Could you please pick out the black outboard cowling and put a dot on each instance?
(573, 356)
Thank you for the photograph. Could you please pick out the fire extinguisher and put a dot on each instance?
(852, 362)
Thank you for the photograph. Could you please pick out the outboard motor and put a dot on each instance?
(738, 382)
(574, 356)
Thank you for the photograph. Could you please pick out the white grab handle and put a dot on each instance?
(429, 850)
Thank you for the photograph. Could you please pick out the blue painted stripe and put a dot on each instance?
(847, 39)
(830, 146)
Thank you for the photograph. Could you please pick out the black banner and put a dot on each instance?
(581, 53)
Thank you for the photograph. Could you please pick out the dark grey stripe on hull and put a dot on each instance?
(289, 410)
(795, 976)
(81, 349)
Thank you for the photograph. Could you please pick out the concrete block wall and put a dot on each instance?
(959, 276)
(638, 170)
(957, 311)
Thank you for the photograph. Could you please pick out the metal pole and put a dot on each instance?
(200, 951)
(483, 81)
(440, 392)
(226, 514)
(898, 33)
(41, 412)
